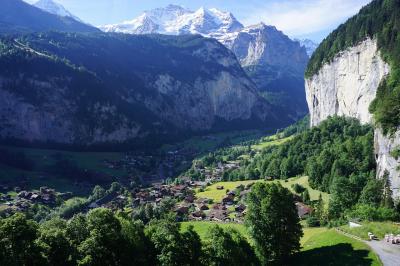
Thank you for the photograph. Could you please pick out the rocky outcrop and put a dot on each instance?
(347, 86)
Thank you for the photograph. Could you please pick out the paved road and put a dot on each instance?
(388, 253)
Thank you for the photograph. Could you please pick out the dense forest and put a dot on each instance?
(381, 20)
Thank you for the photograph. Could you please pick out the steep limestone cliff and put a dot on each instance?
(347, 86)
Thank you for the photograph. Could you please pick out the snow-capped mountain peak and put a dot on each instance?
(175, 19)
(55, 8)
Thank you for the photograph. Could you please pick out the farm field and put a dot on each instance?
(201, 228)
(44, 158)
(270, 141)
(204, 144)
(44, 172)
(213, 193)
(379, 229)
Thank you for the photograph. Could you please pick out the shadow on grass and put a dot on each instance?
(341, 254)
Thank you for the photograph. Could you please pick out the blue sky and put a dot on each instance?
(312, 19)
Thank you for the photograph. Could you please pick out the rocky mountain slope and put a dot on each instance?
(55, 8)
(87, 89)
(353, 73)
(16, 16)
(274, 62)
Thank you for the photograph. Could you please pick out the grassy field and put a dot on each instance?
(320, 246)
(270, 141)
(202, 227)
(44, 158)
(213, 193)
(331, 248)
(379, 229)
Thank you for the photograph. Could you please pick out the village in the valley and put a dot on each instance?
(155, 188)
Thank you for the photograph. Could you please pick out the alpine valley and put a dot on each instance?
(185, 137)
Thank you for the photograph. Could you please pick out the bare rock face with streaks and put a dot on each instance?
(347, 86)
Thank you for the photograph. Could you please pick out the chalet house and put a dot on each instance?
(240, 208)
(203, 207)
(219, 216)
(198, 214)
(303, 210)
(181, 210)
(228, 199)
(189, 198)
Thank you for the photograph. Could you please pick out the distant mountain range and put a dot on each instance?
(274, 62)
(95, 88)
(16, 16)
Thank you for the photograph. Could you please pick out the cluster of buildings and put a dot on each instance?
(215, 174)
(25, 199)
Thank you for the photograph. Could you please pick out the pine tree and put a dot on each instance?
(387, 199)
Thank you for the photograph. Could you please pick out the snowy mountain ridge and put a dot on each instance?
(55, 8)
(177, 20)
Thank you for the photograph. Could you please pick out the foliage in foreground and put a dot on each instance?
(103, 238)
(273, 222)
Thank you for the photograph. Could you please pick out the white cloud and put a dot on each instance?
(302, 17)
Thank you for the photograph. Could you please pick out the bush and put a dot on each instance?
(366, 212)
(298, 188)
(313, 221)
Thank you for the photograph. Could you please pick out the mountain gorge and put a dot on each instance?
(273, 61)
(354, 73)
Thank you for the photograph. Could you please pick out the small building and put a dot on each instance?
(303, 210)
(203, 207)
(353, 224)
(182, 210)
(240, 208)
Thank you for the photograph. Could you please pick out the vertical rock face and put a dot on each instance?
(346, 87)
(384, 148)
